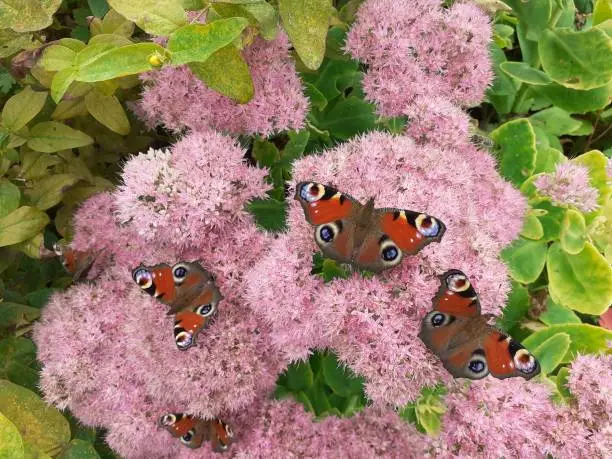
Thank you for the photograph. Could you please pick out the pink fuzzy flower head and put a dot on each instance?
(179, 196)
(415, 48)
(589, 382)
(569, 185)
(176, 98)
(107, 348)
(373, 323)
(510, 418)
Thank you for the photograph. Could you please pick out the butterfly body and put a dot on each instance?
(188, 289)
(193, 431)
(463, 339)
(360, 234)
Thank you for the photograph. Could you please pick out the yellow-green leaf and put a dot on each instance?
(552, 351)
(525, 259)
(11, 444)
(9, 197)
(108, 111)
(21, 224)
(602, 11)
(573, 232)
(79, 449)
(11, 42)
(597, 162)
(32, 247)
(532, 228)
(226, 72)
(51, 136)
(114, 23)
(27, 15)
(22, 107)
(157, 17)
(197, 42)
(48, 191)
(57, 57)
(582, 281)
(70, 108)
(40, 424)
(306, 23)
(112, 62)
(61, 82)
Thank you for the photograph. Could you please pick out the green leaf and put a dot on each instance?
(573, 232)
(579, 60)
(11, 444)
(525, 73)
(585, 339)
(547, 159)
(48, 191)
(602, 11)
(260, 14)
(516, 308)
(116, 24)
(98, 7)
(197, 42)
(265, 152)
(585, 128)
(348, 118)
(299, 376)
(596, 162)
(40, 424)
(61, 82)
(51, 136)
(518, 149)
(532, 228)
(71, 43)
(57, 57)
(582, 282)
(551, 221)
(552, 351)
(269, 214)
(21, 224)
(17, 354)
(562, 380)
(21, 108)
(9, 197)
(341, 380)
(555, 314)
(525, 259)
(333, 78)
(79, 449)
(108, 111)
(157, 17)
(534, 15)
(226, 72)
(14, 315)
(575, 100)
(12, 42)
(27, 15)
(332, 270)
(306, 22)
(555, 120)
(105, 62)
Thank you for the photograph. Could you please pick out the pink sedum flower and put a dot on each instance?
(509, 418)
(589, 382)
(417, 49)
(569, 185)
(373, 323)
(178, 197)
(176, 98)
(107, 348)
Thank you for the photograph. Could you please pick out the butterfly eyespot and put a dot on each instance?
(188, 437)
(312, 192)
(524, 361)
(183, 340)
(325, 234)
(179, 272)
(477, 366)
(168, 420)
(390, 253)
(205, 310)
(427, 226)
(143, 278)
(58, 249)
(229, 431)
(437, 319)
(457, 283)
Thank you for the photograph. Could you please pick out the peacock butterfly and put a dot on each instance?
(77, 263)
(188, 289)
(463, 339)
(369, 238)
(194, 431)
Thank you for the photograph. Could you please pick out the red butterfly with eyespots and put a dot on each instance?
(369, 238)
(462, 338)
(188, 289)
(77, 263)
(193, 431)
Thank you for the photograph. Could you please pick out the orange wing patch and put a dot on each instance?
(456, 304)
(328, 210)
(396, 226)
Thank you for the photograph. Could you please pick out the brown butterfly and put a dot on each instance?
(188, 289)
(462, 338)
(193, 431)
(74, 262)
(369, 238)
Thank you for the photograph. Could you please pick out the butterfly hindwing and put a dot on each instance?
(193, 431)
(77, 263)
(461, 337)
(220, 435)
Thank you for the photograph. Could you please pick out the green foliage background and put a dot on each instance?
(68, 69)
